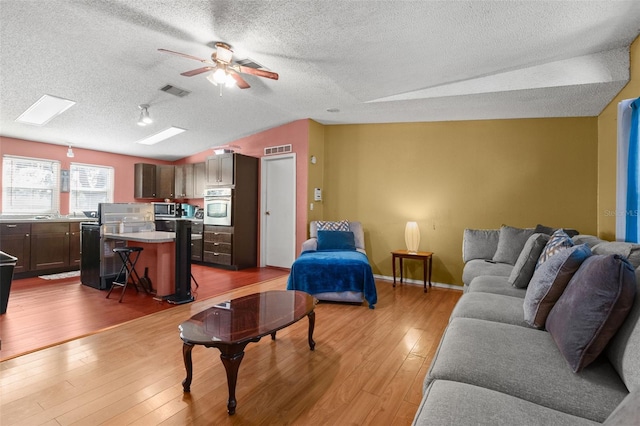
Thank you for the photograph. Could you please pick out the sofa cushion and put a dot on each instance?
(510, 244)
(549, 230)
(525, 363)
(627, 413)
(590, 240)
(559, 240)
(490, 307)
(629, 250)
(454, 403)
(495, 285)
(479, 267)
(336, 240)
(479, 243)
(527, 261)
(549, 281)
(592, 308)
(624, 347)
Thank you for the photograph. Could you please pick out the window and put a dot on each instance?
(90, 185)
(628, 179)
(30, 185)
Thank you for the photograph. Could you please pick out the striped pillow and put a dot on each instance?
(559, 241)
(342, 225)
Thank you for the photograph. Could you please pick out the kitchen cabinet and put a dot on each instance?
(197, 245)
(165, 181)
(15, 239)
(74, 244)
(220, 169)
(49, 245)
(218, 245)
(199, 179)
(185, 181)
(145, 180)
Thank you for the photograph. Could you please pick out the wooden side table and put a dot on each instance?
(426, 258)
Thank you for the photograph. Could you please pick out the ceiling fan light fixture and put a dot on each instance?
(219, 76)
(230, 81)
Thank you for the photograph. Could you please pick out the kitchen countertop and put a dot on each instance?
(49, 220)
(148, 236)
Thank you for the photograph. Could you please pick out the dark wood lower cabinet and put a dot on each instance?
(42, 247)
(15, 239)
(49, 245)
(223, 248)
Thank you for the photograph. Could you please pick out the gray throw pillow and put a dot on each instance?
(629, 250)
(526, 264)
(510, 244)
(592, 308)
(479, 244)
(549, 281)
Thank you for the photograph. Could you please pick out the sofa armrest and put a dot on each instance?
(310, 244)
(479, 244)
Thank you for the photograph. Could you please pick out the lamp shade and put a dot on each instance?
(412, 236)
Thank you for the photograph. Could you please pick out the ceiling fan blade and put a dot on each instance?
(239, 80)
(253, 71)
(184, 55)
(196, 71)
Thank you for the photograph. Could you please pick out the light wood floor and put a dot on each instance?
(367, 368)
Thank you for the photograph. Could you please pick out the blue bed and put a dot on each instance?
(334, 271)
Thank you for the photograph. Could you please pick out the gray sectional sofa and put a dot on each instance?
(502, 362)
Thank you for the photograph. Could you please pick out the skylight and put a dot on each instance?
(158, 137)
(45, 109)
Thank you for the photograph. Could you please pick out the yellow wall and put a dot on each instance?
(449, 176)
(607, 148)
(316, 175)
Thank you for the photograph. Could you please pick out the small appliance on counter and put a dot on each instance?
(188, 210)
(162, 210)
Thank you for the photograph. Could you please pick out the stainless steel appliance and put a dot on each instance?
(99, 265)
(218, 206)
(161, 210)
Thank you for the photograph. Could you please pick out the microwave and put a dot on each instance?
(164, 210)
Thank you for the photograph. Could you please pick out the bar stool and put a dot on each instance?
(129, 256)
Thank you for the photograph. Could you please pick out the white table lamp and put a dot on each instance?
(412, 237)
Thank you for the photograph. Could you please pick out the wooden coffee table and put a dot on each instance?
(232, 325)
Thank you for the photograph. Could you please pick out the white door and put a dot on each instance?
(278, 224)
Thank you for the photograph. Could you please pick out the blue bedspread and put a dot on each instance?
(333, 270)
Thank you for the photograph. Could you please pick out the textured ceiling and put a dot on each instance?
(375, 61)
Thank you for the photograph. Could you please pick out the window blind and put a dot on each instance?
(30, 185)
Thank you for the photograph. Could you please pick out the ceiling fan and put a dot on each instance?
(225, 71)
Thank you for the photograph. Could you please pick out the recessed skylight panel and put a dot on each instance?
(44, 110)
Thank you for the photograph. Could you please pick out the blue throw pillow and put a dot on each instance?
(336, 240)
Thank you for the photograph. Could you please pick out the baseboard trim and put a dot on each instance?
(418, 282)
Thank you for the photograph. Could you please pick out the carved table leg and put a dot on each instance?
(188, 365)
(231, 364)
(312, 323)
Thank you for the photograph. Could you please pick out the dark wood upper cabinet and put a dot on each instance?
(165, 181)
(220, 169)
(145, 180)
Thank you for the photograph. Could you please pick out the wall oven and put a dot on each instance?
(217, 206)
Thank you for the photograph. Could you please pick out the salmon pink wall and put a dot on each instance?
(123, 164)
(295, 133)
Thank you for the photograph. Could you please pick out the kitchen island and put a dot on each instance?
(159, 255)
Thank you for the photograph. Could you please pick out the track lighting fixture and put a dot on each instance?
(144, 115)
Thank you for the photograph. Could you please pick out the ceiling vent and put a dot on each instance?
(175, 91)
(282, 149)
(248, 62)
